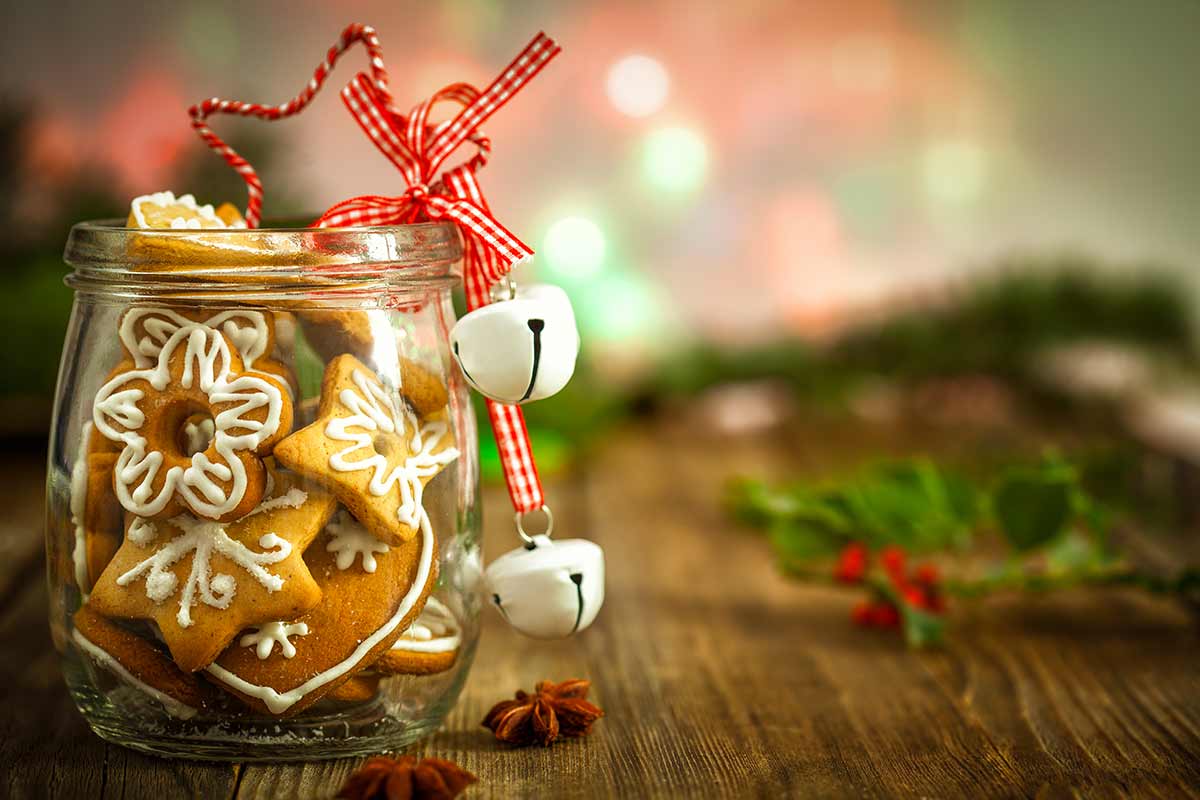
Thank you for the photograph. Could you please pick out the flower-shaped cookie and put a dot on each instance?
(251, 332)
(374, 454)
(146, 409)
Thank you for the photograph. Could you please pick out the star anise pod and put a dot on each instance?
(406, 778)
(552, 710)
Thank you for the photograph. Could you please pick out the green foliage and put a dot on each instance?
(1033, 304)
(921, 628)
(922, 508)
(994, 326)
(914, 504)
(1031, 510)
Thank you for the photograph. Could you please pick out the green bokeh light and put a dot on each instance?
(675, 159)
(619, 307)
(574, 248)
(955, 172)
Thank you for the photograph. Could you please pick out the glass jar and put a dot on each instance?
(262, 505)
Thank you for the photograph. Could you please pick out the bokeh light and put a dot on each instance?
(638, 85)
(955, 172)
(621, 307)
(675, 159)
(574, 248)
(862, 63)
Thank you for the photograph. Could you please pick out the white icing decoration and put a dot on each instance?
(164, 199)
(207, 363)
(79, 485)
(173, 707)
(202, 538)
(349, 540)
(278, 702)
(372, 409)
(247, 330)
(435, 631)
(142, 531)
(292, 498)
(265, 637)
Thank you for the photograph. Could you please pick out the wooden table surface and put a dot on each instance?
(719, 678)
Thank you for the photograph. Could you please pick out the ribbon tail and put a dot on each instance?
(516, 456)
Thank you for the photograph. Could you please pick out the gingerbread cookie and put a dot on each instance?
(430, 644)
(145, 329)
(334, 332)
(96, 515)
(358, 689)
(229, 214)
(360, 616)
(371, 452)
(195, 370)
(204, 582)
(165, 210)
(252, 332)
(423, 390)
(141, 664)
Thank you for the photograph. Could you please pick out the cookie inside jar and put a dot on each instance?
(269, 515)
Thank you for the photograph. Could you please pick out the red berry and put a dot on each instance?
(927, 575)
(885, 615)
(915, 597)
(893, 562)
(851, 564)
(861, 614)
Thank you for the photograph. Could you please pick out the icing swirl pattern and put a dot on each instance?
(202, 538)
(248, 409)
(373, 410)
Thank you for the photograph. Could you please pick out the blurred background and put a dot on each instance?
(756, 206)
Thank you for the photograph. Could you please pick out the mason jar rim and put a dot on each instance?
(106, 251)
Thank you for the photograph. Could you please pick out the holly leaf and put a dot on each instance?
(1032, 509)
(797, 541)
(922, 629)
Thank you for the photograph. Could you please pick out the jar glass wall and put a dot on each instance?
(262, 526)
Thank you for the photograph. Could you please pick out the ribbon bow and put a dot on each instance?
(419, 149)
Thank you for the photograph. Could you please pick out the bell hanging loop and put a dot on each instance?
(519, 517)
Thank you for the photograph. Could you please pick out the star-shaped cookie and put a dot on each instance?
(371, 450)
(204, 581)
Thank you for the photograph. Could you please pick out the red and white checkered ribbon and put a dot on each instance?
(418, 149)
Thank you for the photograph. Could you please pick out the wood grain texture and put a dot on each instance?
(719, 678)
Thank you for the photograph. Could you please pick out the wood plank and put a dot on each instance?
(720, 677)
(46, 749)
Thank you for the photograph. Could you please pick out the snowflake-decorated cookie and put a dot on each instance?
(370, 450)
(144, 409)
(203, 582)
(361, 614)
(359, 617)
(264, 638)
(352, 542)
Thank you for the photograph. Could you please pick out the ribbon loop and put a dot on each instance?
(418, 150)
